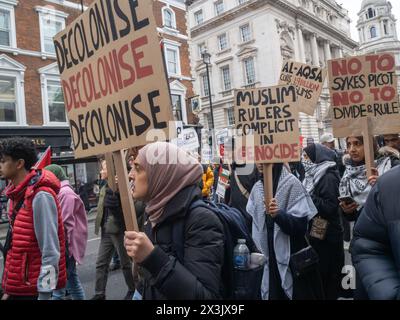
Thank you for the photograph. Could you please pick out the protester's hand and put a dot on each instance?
(375, 175)
(273, 208)
(349, 208)
(138, 245)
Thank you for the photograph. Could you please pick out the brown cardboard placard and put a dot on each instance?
(309, 81)
(364, 87)
(266, 122)
(113, 77)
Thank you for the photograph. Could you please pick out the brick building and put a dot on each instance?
(171, 18)
(31, 99)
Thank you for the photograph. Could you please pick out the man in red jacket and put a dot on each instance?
(35, 259)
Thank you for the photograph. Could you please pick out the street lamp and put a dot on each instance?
(207, 61)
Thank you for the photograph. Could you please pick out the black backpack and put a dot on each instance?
(237, 284)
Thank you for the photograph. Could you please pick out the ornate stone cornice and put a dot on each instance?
(298, 13)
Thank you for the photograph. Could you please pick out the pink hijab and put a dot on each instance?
(169, 170)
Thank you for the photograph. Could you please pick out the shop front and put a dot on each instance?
(83, 174)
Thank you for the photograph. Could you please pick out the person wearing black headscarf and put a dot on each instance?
(326, 232)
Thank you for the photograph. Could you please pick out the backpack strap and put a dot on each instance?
(178, 231)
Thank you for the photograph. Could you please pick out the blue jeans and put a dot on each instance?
(74, 286)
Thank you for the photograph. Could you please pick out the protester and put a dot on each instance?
(111, 222)
(376, 244)
(326, 236)
(392, 141)
(208, 181)
(329, 141)
(242, 179)
(35, 262)
(279, 231)
(76, 231)
(169, 188)
(355, 185)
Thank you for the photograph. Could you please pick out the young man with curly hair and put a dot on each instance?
(35, 259)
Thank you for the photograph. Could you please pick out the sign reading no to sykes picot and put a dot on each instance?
(267, 123)
(364, 86)
(308, 80)
(113, 77)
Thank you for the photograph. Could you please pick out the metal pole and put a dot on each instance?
(212, 113)
(82, 5)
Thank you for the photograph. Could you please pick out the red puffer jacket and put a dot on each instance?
(24, 258)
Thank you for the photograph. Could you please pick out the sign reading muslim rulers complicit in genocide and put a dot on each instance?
(113, 77)
(266, 122)
(364, 87)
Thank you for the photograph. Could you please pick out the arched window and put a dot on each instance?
(169, 18)
(373, 32)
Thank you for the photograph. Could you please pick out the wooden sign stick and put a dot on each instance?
(110, 171)
(368, 145)
(128, 206)
(268, 185)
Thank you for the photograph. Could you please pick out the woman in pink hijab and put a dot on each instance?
(168, 180)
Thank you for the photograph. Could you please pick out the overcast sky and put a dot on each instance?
(354, 7)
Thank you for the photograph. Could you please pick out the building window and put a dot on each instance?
(245, 33)
(371, 13)
(177, 107)
(219, 7)
(373, 32)
(205, 87)
(198, 17)
(51, 22)
(5, 28)
(223, 42)
(7, 25)
(169, 18)
(385, 27)
(226, 78)
(172, 57)
(250, 74)
(242, 1)
(200, 49)
(231, 116)
(8, 100)
(55, 102)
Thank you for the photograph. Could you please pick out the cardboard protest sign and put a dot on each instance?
(266, 122)
(187, 140)
(308, 80)
(113, 77)
(364, 87)
(223, 183)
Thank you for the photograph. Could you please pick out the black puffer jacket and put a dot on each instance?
(200, 276)
(375, 247)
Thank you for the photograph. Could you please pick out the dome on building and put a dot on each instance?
(367, 3)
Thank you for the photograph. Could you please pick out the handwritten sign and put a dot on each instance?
(308, 80)
(113, 77)
(364, 87)
(267, 124)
